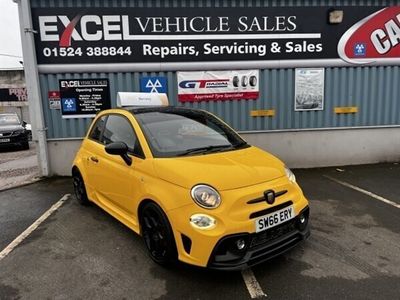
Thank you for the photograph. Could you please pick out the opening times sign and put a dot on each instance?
(84, 98)
(109, 35)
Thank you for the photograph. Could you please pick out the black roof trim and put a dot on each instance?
(166, 109)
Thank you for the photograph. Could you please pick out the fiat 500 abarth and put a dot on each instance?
(191, 186)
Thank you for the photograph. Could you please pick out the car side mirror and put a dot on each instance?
(121, 149)
(24, 124)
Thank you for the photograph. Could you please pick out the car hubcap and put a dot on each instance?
(154, 234)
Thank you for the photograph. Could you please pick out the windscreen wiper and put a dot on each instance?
(241, 145)
(207, 149)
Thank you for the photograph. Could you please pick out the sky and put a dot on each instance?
(10, 38)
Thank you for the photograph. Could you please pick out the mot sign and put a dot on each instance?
(129, 35)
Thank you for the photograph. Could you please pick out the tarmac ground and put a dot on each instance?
(18, 166)
(83, 253)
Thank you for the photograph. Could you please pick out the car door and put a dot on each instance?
(92, 147)
(117, 184)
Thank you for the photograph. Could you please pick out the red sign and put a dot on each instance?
(219, 96)
(374, 38)
(218, 85)
(54, 95)
(54, 99)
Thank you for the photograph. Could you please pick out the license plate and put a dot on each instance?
(273, 219)
(4, 140)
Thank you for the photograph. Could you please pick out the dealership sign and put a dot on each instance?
(218, 85)
(374, 38)
(144, 35)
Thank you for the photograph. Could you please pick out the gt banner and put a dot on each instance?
(218, 85)
(99, 35)
(83, 98)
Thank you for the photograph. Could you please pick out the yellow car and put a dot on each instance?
(191, 187)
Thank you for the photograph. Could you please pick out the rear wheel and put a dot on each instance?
(157, 234)
(79, 188)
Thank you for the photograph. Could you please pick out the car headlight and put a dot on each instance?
(205, 196)
(290, 175)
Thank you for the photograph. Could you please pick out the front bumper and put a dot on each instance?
(235, 218)
(260, 247)
(13, 140)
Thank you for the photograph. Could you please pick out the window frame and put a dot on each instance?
(101, 133)
(140, 153)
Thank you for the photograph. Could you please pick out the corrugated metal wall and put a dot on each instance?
(375, 90)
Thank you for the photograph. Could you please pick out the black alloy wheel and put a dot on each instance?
(79, 189)
(157, 234)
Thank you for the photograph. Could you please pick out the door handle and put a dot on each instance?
(94, 159)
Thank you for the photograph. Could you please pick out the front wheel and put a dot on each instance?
(157, 234)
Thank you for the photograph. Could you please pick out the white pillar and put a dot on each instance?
(33, 86)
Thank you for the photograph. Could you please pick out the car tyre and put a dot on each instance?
(158, 235)
(79, 189)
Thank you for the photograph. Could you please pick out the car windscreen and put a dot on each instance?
(9, 120)
(186, 132)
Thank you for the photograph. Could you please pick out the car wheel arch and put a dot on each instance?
(143, 203)
(76, 170)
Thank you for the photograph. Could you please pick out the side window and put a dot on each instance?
(118, 129)
(95, 133)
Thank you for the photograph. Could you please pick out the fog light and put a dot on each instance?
(302, 219)
(202, 221)
(240, 244)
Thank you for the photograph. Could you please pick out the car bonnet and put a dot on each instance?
(222, 170)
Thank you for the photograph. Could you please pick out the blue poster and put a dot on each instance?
(156, 84)
(69, 104)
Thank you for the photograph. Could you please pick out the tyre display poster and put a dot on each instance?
(83, 98)
(218, 85)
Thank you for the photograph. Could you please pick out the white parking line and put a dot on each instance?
(31, 228)
(252, 284)
(356, 188)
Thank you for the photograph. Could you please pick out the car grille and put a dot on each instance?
(5, 134)
(265, 236)
(269, 210)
